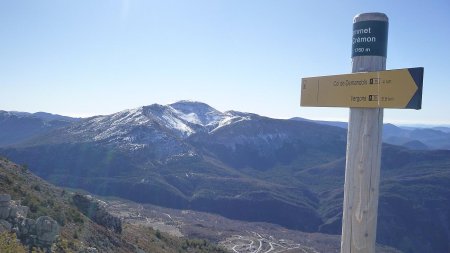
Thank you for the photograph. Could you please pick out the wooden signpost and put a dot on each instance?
(366, 94)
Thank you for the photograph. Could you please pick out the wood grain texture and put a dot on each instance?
(362, 172)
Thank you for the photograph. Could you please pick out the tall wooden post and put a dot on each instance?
(362, 172)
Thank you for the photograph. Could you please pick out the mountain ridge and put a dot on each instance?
(252, 168)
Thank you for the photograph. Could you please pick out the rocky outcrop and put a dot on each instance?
(4, 206)
(47, 230)
(41, 232)
(5, 226)
(96, 212)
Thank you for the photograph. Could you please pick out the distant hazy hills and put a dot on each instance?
(16, 127)
(244, 166)
(419, 138)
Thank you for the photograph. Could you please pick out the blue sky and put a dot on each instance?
(89, 57)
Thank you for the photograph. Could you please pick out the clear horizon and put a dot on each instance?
(89, 58)
(406, 124)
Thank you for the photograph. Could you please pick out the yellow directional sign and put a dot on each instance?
(401, 88)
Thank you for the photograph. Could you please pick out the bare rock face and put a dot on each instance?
(5, 226)
(18, 211)
(4, 198)
(13, 218)
(4, 206)
(47, 229)
(4, 212)
(10, 210)
(27, 227)
(95, 211)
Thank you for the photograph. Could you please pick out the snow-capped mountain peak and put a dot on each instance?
(197, 113)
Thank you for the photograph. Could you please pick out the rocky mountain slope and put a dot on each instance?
(67, 227)
(36, 233)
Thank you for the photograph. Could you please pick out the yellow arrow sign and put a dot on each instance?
(401, 88)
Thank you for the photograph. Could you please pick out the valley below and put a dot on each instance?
(235, 236)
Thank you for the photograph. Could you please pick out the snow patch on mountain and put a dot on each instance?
(168, 118)
(230, 119)
(206, 116)
(198, 113)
